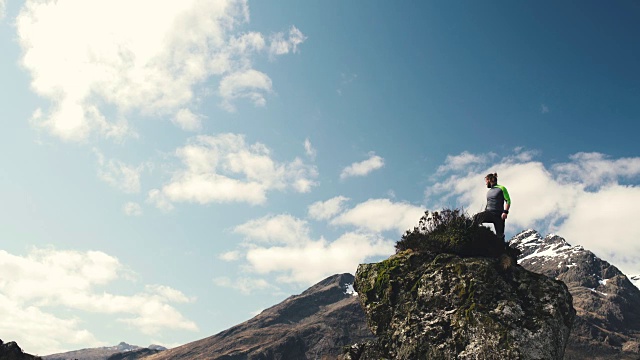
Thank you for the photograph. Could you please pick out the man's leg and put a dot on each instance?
(493, 218)
(499, 225)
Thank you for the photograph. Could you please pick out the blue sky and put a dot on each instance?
(170, 169)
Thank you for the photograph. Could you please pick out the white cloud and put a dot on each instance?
(465, 160)
(544, 109)
(47, 279)
(187, 120)
(605, 222)
(595, 169)
(230, 256)
(248, 84)
(223, 168)
(581, 200)
(40, 332)
(114, 67)
(323, 210)
(310, 262)
(363, 168)
(132, 209)
(282, 245)
(3, 7)
(243, 284)
(280, 45)
(118, 174)
(278, 229)
(309, 150)
(381, 215)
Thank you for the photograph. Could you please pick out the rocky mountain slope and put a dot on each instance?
(136, 354)
(103, 353)
(607, 325)
(313, 325)
(11, 351)
(423, 305)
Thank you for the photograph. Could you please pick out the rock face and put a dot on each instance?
(316, 324)
(11, 351)
(607, 325)
(442, 306)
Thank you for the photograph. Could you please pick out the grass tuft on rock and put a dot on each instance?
(453, 232)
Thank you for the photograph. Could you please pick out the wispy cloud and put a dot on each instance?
(224, 168)
(187, 120)
(324, 210)
(278, 229)
(583, 200)
(381, 215)
(132, 209)
(32, 286)
(118, 174)
(245, 285)
(363, 168)
(309, 149)
(230, 256)
(280, 45)
(3, 7)
(249, 84)
(95, 79)
(465, 160)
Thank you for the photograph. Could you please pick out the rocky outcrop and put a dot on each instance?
(316, 324)
(443, 306)
(607, 325)
(11, 351)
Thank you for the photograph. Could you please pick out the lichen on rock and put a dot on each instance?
(424, 305)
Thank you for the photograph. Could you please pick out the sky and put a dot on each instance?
(170, 169)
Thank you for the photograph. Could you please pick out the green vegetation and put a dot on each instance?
(453, 232)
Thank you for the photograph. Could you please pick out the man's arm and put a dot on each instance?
(507, 202)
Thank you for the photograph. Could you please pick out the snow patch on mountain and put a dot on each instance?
(550, 247)
(635, 280)
(349, 290)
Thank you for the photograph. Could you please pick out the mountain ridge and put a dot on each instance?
(313, 324)
(607, 325)
(101, 353)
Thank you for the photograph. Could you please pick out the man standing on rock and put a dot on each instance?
(498, 204)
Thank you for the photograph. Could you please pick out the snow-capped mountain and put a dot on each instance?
(607, 324)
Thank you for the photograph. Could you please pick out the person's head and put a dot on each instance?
(491, 179)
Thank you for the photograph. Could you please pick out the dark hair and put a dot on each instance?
(492, 177)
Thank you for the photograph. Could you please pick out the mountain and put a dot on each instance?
(313, 325)
(427, 305)
(135, 354)
(101, 353)
(11, 351)
(607, 325)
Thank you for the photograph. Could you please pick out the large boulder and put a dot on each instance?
(422, 305)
